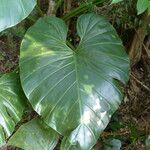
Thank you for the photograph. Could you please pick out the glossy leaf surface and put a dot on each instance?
(77, 91)
(11, 105)
(14, 11)
(112, 144)
(116, 1)
(34, 135)
(148, 143)
(142, 5)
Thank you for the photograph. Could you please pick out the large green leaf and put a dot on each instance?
(34, 135)
(11, 104)
(148, 143)
(77, 91)
(142, 5)
(116, 1)
(14, 11)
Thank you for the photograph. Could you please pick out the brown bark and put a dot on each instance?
(135, 50)
(51, 8)
(67, 6)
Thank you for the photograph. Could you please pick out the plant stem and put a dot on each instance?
(139, 82)
(58, 4)
(67, 6)
(135, 49)
(82, 8)
(31, 19)
(38, 6)
(40, 11)
(51, 8)
(76, 11)
(70, 45)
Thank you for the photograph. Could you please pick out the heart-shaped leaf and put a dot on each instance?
(11, 104)
(75, 91)
(14, 11)
(34, 135)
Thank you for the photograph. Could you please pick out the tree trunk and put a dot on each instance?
(51, 8)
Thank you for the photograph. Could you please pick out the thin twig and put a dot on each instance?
(67, 6)
(139, 82)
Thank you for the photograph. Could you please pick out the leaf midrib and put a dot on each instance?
(77, 81)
